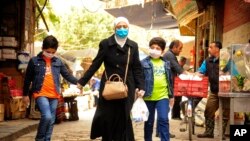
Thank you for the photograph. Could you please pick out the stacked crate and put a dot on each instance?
(11, 100)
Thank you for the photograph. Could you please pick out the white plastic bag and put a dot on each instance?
(139, 112)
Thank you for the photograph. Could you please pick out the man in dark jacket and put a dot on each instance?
(175, 49)
(210, 68)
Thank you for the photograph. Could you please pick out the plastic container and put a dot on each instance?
(193, 88)
(235, 65)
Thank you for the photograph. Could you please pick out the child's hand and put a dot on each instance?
(171, 102)
(26, 100)
(80, 87)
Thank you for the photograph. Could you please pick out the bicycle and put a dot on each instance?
(191, 89)
(189, 112)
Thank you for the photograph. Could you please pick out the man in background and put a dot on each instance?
(175, 49)
(95, 86)
(182, 61)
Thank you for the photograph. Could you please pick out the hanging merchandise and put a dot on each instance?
(23, 58)
(201, 57)
(192, 59)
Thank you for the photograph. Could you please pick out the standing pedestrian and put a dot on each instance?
(175, 49)
(43, 73)
(158, 89)
(112, 117)
(210, 68)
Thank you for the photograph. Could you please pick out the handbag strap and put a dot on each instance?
(126, 71)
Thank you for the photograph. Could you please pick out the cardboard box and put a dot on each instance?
(8, 51)
(18, 108)
(9, 39)
(1, 112)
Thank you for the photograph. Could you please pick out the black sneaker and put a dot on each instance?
(157, 135)
(177, 118)
(205, 135)
(171, 135)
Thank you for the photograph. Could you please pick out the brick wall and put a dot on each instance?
(238, 35)
(236, 25)
(236, 13)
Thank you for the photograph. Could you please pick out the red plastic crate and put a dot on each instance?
(193, 88)
(16, 92)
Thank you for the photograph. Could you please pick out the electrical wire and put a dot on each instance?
(41, 9)
(91, 11)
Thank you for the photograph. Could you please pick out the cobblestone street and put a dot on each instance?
(80, 130)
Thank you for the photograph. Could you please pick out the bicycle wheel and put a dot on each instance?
(190, 128)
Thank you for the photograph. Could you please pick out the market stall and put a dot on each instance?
(234, 88)
(76, 100)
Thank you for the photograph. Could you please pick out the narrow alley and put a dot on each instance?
(80, 130)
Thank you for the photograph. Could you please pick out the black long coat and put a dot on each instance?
(112, 118)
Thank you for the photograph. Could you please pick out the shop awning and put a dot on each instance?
(188, 29)
(151, 16)
(185, 11)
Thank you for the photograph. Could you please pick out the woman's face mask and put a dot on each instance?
(121, 32)
(154, 53)
(48, 55)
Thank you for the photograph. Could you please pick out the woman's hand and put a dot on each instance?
(140, 93)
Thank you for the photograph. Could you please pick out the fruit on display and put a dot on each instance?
(238, 53)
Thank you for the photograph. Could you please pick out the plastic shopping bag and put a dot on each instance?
(139, 112)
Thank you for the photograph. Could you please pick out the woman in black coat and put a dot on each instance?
(112, 117)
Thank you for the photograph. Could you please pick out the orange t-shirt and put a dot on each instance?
(48, 89)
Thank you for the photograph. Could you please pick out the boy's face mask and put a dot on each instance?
(48, 55)
(154, 53)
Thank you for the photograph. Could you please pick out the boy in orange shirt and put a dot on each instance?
(43, 73)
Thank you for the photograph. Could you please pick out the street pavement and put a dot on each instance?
(80, 130)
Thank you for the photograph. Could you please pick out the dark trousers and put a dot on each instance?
(211, 107)
(176, 108)
(162, 108)
(95, 100)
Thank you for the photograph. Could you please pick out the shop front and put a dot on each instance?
(17, 22)
(227, 21)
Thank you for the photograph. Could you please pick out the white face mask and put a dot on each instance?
(48, 55)
(155, 53)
